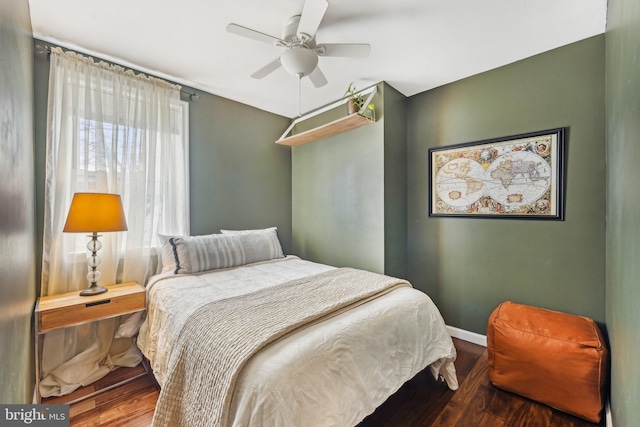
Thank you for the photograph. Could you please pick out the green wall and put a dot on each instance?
(17, 227)
(349, 192)
(623, 207)
(395, 182)
(239, 177)
(469, 266)
(337, 201)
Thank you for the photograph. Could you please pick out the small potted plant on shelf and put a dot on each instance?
(356, 102)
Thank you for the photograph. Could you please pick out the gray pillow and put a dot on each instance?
(193, 254)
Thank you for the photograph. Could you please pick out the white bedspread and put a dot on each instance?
(331, 373)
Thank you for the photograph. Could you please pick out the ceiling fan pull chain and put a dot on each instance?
(300, 95)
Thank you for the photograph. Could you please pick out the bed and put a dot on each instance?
(237, 334)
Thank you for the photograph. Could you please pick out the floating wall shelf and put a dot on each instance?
(343, 124)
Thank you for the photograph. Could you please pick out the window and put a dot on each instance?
(110, 151)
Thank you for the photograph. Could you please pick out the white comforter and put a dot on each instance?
(334, 372)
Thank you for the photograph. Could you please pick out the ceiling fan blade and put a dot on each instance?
(267, 69)
(317, 78)
(312, 14)
(353, 50)
(253, 34)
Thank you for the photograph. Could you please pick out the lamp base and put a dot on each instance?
(93, 290)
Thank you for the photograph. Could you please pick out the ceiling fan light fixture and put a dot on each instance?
(300, 56)
(299, 61)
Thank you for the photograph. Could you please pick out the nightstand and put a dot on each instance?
(70, 309)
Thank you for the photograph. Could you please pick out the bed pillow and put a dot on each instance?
(193, 254)
(270, 230)
(271, 233)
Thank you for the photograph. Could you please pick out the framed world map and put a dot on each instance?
(518, 176)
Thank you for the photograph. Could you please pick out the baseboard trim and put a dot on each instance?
(472, 337)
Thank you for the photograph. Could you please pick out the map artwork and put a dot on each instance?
(509, 178)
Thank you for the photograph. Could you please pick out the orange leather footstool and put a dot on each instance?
(554, 358)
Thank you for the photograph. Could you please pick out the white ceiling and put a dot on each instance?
(416, 45)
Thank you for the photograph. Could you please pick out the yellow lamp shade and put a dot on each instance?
(95, 212)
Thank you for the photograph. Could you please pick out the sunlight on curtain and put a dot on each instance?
(110, 131)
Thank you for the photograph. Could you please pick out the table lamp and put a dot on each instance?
(95, 213)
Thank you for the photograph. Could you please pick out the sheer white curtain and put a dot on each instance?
(110, 131)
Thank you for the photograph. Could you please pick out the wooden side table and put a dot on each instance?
(70, 309)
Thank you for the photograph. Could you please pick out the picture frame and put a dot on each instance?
(515, 177)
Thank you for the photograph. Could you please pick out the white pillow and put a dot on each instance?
(271, 232)
(193, 254)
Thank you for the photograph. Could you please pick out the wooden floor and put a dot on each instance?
(420, 402)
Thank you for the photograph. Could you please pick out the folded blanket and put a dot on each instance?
(219, 338)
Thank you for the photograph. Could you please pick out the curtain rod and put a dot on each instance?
(47, 49)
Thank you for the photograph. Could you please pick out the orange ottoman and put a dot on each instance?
(554, 358)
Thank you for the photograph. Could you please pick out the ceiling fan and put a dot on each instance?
(300, 57)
